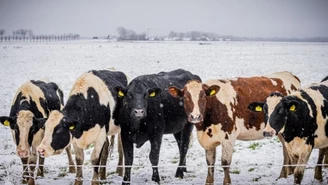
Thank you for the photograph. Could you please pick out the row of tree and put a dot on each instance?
(28, 35)
(129, 34)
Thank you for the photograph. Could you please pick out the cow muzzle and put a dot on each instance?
(195, 118)
(268, 131)
(23, 153)
(139, 113)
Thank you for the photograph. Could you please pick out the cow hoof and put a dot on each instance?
(119, 170)
(179, 174)
(156, 179)
(24, 181)
(31, 181)
(40, 174)
(78, 182)
(71, 169)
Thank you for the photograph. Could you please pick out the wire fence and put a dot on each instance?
(15, 178)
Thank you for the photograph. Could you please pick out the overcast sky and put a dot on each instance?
(252, 18)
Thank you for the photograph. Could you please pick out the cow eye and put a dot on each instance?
(281, 111)
(59, 130)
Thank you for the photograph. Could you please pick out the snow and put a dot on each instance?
(254, 162)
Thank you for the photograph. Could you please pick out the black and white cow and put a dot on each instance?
(148, 111)
(87, 118)
(302, 119)
(33, 100)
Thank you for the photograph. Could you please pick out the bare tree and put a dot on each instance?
(2, 32)
(172, 34)
(122, 33)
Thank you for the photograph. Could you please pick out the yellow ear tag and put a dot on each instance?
(258, 108)
(6, 123)
(212, 92)
(120, 94)
(71, 127)
(292, 108)
(152, 94)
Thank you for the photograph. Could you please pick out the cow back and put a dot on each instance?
(229, 106)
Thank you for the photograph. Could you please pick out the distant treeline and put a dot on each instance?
(28, 35)
(129, 34)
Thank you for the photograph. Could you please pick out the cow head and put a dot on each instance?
(195, 96)
(135, 101)
(277, 110)
(24, 128)
(58, 134)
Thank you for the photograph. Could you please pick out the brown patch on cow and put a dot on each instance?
(226, 136)
(254, 89)
(209, 133)
(216, 113)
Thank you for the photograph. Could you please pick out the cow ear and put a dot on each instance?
(120, 92)
(175, 92)
(39, 122)
(6, 121)
(292, 106)
(212, 90)
(153, 92)
(256, 106)
(72, 125)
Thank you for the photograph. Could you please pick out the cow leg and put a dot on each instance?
(128, 157)
(119, 168)
(227, 150)
(183, 139)
(286, 168)
(98, 149)
(79, 159)
(302, 161)
(326, 158)
(318, 168)
(41, 166)
(32, 164)
(71, 165)
(210, 160)
(103, 160)
(25, 170)
(155, 146)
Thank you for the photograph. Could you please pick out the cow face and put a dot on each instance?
(195, 96)
(136, 99)
(278, 111)
(58, 134)
(23, 126)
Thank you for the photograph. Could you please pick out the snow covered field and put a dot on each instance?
(254, 162)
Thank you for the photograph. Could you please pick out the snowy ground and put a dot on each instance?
(254, 162)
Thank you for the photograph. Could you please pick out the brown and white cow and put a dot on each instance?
(31, 105)
(218, 108)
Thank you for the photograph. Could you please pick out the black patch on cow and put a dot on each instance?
(87, 112)
(61, 134)
(226, 136)
(209, 132)
(299, 122)
(326, 78)
(112, 79)
(324, 92)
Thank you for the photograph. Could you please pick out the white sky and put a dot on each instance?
(252, 18)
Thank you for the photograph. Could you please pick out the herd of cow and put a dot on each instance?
(102, 103)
